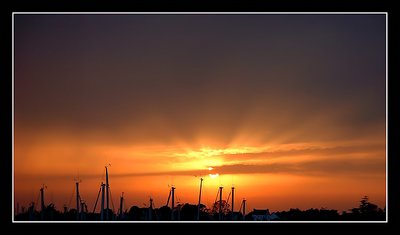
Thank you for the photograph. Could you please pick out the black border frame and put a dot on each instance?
(200, 6)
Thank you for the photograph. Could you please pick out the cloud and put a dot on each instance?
(326, 167)
(311, 151)
(319, 167)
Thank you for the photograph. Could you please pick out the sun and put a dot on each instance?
(213, 176)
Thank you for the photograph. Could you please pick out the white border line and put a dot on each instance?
(387, 143)
(12, 115)
(199, 13)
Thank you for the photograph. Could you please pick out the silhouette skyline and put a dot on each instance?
(289, 109)
(221, 211)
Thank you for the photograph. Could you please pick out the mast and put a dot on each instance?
(120, 205)
(77, 200)
(198, 205)
(244, 208)
(151, 209)
(42, 201)
(172, 202)
(220, 203)
(233, 199)
(107, 193)
(173, 197)
(102, 201)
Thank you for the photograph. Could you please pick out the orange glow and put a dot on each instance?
(213, 176)
(143, 171)
(290, 112)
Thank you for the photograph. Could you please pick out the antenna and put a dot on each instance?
(198, 205)
(233, 200)
(78, 197)
(150, 208)
(42, 200)
(121, 206)
(244, 208)
(172, 202)
(102, 202)
(107, 191)
(220, 202)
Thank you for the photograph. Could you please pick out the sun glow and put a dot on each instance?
(207, 158)
(209, 152)
(213, 176)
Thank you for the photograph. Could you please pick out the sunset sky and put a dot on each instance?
(290, 109)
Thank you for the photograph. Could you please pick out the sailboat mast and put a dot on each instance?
(220, 203)
(233, 199)
(172, 202)
(77, 201)
(198, 205)
(102, 202)
(120, 205)
(107, 194)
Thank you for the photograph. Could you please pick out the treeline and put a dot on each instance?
(366, 211)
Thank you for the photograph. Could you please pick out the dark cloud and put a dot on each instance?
(317, 152)
(319, 167)
(139, 78)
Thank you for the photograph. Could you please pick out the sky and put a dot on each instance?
(288, 109)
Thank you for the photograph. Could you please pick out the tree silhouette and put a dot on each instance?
(134, 213)
(188, 212)
(365, 211)
(367, 207)
(224, 207)
(164, 213)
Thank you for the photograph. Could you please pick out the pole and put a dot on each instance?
(77, 201)
(151, 209)
(120, 205)
(102, 202)
(233, 199)
(220, 203)
(244, 208)
(107, 193)
(198, 205)
(42, 202)
(173, 202)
